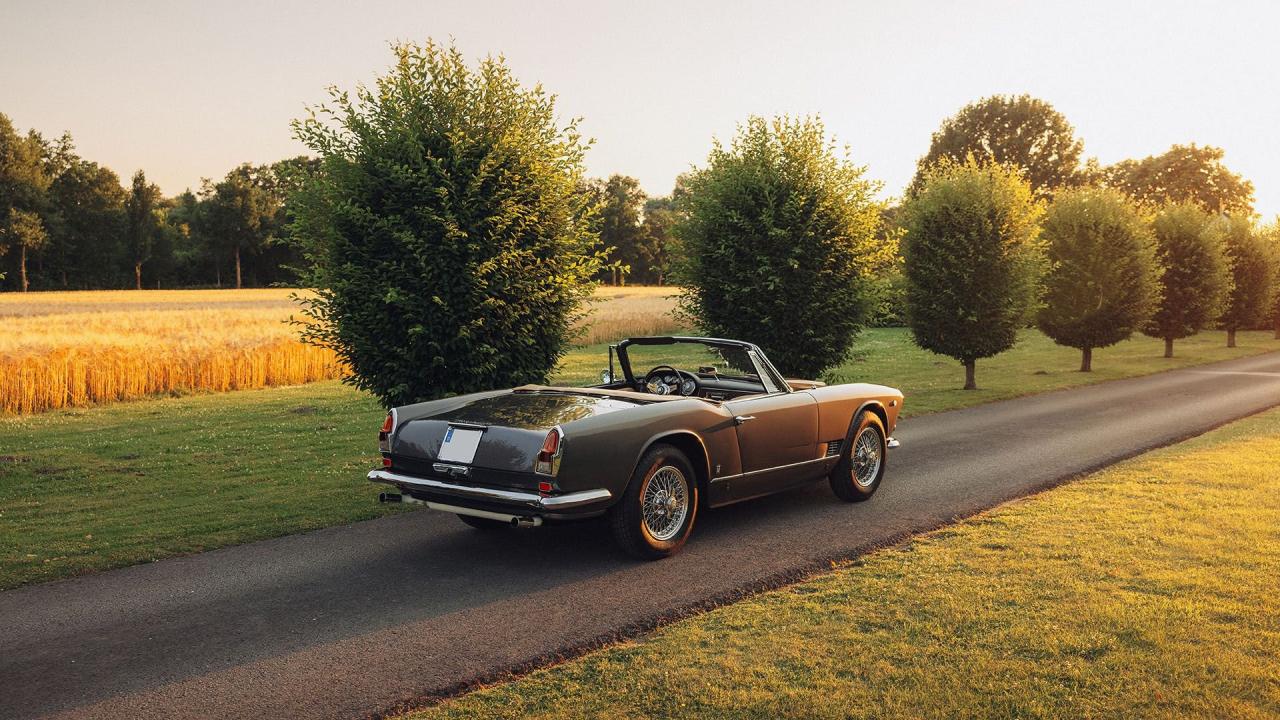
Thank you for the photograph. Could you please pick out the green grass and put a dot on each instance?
(1146, 590)
(111, 486)
(92, 489)
(932, 383)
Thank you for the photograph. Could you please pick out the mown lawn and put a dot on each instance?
(1145, 590)
(104, 487)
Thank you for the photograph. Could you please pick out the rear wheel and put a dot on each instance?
(656, 513)
(486, 524)
(857, 476)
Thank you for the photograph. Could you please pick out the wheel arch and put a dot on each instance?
(874, 406)
(689, 443)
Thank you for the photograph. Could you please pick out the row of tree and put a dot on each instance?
(68, 223)
(462, 268)
(983, 258)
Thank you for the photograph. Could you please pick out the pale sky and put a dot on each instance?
(187, 90)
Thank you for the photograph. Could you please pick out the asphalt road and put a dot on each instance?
(364, 618)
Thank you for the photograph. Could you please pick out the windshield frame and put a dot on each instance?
(764, 368)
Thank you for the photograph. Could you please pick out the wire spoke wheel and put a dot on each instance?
(866, 456)
(665, 503)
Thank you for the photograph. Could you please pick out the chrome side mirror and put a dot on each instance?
(606, 376)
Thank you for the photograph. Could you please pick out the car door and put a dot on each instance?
(777, 442)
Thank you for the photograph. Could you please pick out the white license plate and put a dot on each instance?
(459, 445)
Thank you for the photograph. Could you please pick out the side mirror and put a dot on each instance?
(606, 376)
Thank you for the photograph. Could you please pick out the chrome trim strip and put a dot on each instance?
(771, 469)
(532, 500)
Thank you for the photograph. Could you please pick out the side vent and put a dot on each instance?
(833, 448)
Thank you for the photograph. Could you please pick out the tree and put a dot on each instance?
(621, 200)
(1271, 237)
(143, 221)
(779, 236)
(25, 230)
(657, 242)
(1022, 131)
(1183, 174)
(450, 243)
(1250, 264)
(23, 182)
(1101, 283)
(1194, 277)
(239, 212)
(972, 260)
(87, 209)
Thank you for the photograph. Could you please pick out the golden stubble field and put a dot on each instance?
(73, 349)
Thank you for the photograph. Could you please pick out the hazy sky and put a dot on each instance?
(188, 90)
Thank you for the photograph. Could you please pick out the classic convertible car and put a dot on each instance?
(689, 422)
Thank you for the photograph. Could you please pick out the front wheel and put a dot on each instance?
(861, 467)
(656, 513)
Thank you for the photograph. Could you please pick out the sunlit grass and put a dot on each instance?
(1146, 590)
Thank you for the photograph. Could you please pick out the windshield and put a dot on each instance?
(724, 361)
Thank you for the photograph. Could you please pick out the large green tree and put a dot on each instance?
(86, 202)
(618, 219)
(779, 232)
(972, 260)
(1183, 174)
(23, 182)
(658, 243)
(25, 230)
(1194, 276)
(143, 220)
(1251, 265)
(1022, 131)
(237, 215)
(1101, 285)
(451, 249)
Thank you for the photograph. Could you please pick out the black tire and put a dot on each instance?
(844, 478)
(486, 524)
(627, 519)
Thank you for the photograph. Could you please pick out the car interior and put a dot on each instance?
(690, 368)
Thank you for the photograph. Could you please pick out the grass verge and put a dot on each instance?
(1145, 590)
(109, 486)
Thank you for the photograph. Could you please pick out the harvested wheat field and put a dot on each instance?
(72, 349)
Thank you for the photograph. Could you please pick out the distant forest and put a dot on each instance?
(72, 224)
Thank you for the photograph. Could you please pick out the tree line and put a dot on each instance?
(68, 223)
(453, 237)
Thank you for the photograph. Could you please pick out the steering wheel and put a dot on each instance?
(660, 383)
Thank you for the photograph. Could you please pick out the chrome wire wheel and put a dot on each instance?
(867, 450)
(665, 503)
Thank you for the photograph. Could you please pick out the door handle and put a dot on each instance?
(739, 419)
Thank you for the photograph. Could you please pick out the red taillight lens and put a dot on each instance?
(548, 462)
(551, 445)
(386, 462)
(384, 435)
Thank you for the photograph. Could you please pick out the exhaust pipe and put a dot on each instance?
(519, 521)
(387, 497)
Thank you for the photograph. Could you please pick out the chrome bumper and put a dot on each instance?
(530, 501)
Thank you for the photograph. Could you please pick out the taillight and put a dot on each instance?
(548, 462)
(384, 435)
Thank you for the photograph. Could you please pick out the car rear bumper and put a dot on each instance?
(492, 501)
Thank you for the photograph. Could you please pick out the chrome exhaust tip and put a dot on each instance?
(387, 497)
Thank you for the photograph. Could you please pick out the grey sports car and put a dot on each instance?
(678, 424)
